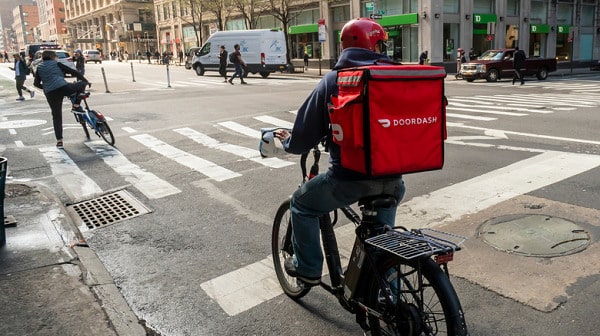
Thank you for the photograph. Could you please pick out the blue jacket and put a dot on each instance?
(50, 75)
(312, 120)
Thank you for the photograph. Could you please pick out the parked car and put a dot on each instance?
(595, 65)
(63, 57)
(32, 48)
(92, 56)
(189, 57)
(493, 65)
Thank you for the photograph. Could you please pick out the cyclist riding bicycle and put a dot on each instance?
(363, 41)
(50, 76)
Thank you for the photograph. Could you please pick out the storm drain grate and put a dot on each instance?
(108, 209)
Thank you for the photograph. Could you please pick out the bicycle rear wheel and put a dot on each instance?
(281, 247)
(432, 308)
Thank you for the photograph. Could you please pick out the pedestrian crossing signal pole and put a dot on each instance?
(167, 58)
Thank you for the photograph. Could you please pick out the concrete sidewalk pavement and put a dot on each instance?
(51, 283)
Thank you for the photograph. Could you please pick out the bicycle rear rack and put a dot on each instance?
(409, 245)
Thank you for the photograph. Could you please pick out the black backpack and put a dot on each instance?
(233, 57)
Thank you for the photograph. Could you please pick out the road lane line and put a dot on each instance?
(275, 121)
(466, 116)
(73, 181)
(200, 165)
(147, 183)
(513, 114)
(239, 128)
(247, 153)
(249, 286)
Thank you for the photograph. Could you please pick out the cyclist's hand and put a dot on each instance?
(282, 134)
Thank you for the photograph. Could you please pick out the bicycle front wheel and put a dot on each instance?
(281, 247)
(428, 308)
(105, 132)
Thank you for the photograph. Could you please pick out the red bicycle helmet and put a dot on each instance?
(362, 33)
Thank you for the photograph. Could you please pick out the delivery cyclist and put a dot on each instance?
(363, 41)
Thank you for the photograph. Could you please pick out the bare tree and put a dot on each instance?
(191, 12)
(252, 10)
(221, 9)
(286, 11)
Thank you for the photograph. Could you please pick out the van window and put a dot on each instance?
(205, 50)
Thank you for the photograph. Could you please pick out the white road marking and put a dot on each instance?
(147, 183)
(249, 286)
(128, 130)
(19, 143)
(275, 121)
(449, 107)
(200, 165)
(466, 116)
(239, 128)
(73, 181)
(247, 153)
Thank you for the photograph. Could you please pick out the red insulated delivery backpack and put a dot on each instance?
(390, 119)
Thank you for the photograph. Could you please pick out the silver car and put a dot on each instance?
(92, 56)
(63, 57)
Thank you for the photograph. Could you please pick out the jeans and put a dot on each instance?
(239, 71)
(55, 99)
(323, 194)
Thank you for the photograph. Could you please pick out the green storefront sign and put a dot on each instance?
(484, 18)
(540, 29)
(304, 29)
(562, 29)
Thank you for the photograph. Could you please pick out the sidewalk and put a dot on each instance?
(49, 283)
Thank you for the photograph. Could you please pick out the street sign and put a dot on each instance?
(369, 6)
(322, 31)
(489, 37)
(375, 16)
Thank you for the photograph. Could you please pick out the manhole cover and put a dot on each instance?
(108, 209)
(535, 235)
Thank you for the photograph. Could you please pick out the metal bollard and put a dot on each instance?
(168, 76)
(132, 74)
(105, 83)
(3, 169)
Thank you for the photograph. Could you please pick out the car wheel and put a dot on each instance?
(264, 74)
(199, 70)
(470, 80)
(542, 74)
(492, 75)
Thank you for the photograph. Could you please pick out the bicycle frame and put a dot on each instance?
(90, 118)
(375, 245)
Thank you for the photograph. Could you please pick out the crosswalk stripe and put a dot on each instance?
(200, 165)
(73, 181)
(275, 121)
(249, 286)
(467, 116)
(147, 183)
(239, 128)
(450, 107)
(247, 153)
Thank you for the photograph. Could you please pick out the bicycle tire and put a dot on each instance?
(442, 313)
(85, 128)
(281, 231)
(105, 132)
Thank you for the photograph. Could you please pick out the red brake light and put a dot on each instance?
(262, 58)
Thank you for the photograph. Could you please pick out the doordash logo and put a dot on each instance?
(385, 123)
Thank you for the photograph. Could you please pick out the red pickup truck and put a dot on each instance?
(496, 64)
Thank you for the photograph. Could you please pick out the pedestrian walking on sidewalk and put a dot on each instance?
(79, 62)
(21, 72)
(305, 61)
(239, 63)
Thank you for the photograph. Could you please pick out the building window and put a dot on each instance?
(512, 7)
(564, 14)
(483, 6)
(341, 14)
(451, 6)
(587, 15)
(539, 11)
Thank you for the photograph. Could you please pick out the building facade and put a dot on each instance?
(566, 29)
(25, 21)
(110, 25)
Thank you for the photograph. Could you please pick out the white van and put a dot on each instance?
(263, 50)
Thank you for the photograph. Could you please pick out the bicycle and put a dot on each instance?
(397, 280)
(92, 119)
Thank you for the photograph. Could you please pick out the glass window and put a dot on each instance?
(564, 14)
(341, 13)
(309, 16)
(451, 6)
(174, 9)
(512, 7)
(451, 41)
(585, 47)
(539, 11)
(483, 6)
(587, 15)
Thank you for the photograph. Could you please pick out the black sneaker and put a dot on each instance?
(290, 269)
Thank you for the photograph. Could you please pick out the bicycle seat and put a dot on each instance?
(378, 201)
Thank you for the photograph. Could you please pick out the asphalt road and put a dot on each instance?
(198, 262)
